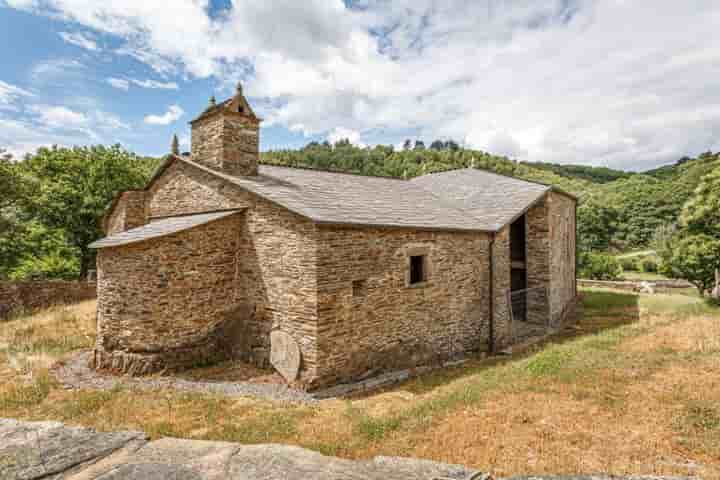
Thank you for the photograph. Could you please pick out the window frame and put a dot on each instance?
(424, 253)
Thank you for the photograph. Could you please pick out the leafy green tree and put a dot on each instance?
(701, 213)
(437, 145)
(695, 259)
(599, 266)
(596, 225)
(75, 186)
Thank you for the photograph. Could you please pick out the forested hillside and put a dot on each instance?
(51, 202)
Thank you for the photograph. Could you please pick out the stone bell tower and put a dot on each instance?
(226, 136)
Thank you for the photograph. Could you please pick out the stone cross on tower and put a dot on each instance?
(226, 136)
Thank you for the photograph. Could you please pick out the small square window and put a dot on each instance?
(358, 288)
(417, 269)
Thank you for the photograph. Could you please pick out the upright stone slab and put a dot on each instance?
(284, 355)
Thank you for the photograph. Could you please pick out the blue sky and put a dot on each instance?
(608, 82)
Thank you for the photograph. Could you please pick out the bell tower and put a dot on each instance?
(226, 136)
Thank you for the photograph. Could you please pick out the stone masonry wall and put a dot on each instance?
(501, 276)
(207, 141)
(563, 287)
(21, 297)
(228, 142)
(129, 212)
(279, 259)
(168, 303)
(370, 319)
(538, 262)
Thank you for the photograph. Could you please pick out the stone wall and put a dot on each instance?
(227, 142)
(370, 319)
(20, 297)
(538, 260)
(169, 302)
(128, 212)
(563, 289)
(276, 274)
(501, 275)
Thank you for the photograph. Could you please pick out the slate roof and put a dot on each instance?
(497, 199)
(460, 200)
(348, 199)
(160, 228)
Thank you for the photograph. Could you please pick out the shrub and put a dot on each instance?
(599, 266)
(648, 265)
(628, 264)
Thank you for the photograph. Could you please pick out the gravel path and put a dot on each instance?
(75, 373)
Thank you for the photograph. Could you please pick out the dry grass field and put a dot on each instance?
(633, 389)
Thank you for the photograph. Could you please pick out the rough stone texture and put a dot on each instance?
(147, 318)
(563, 287)
(285, 355)
(34, 450)
(275, 281)
(501, 278)
(41, 449)
(227, 140)
(324, 258)
(386, 324)
(20, 297)
(127, 212)
(537, 254)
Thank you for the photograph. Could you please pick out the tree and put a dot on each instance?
(437, 145)
(75, 186)
(696, 258)
(407, 145)
(701, 214)
(419, 145)
(596, 225)
(175, 147)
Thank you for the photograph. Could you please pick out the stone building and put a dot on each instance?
(349, 275)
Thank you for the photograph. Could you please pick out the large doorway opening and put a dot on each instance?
(518, 269)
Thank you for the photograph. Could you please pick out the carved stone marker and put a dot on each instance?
(284, 355)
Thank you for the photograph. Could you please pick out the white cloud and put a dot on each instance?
(173, 114)
(59, 116)
(604, 82)
(340, 133)
(10, 93)
(155, 84)
(81, 40)
(119, 83)
(124, 84)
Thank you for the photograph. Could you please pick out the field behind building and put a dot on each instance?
(634, 388)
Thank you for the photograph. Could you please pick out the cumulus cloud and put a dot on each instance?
(172, 115)
(340, 133)
(598, 82)
(59, 116)
(81, 40)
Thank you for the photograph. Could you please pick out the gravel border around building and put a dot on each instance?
(75, 373)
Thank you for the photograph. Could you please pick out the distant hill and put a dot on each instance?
(638, 203)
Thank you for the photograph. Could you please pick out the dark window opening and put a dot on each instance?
(417, 269)
(358, 288)
(241, 109)
(517, 240)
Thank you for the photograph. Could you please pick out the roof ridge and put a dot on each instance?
(339, 172)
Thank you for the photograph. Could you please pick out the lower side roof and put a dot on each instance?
(161, 228)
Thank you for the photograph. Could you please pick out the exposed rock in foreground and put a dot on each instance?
(50, 450)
